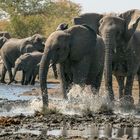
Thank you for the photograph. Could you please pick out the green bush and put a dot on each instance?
(26, 20)
(23, 26)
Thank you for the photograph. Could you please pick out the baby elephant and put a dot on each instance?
(28, 63)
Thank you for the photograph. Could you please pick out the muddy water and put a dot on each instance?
(14, 102)
(91, 132)
(17, 100)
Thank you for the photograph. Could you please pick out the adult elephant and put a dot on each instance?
(76, 51)
(117, 41)
(112, 30)
(90, 19)
(13, 48)
(132, 36)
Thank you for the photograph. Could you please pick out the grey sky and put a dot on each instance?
(102, 6)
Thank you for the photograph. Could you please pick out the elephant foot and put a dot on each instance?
(127, 102)
(15, 81)
(2, 81)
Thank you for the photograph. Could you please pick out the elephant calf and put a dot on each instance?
(29, 64)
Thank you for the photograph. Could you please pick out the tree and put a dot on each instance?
(38, 16)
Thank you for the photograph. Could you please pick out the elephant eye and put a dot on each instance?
(58, 48)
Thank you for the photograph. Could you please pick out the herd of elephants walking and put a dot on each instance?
(95, 44)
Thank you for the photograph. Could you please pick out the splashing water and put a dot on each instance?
(83, 99)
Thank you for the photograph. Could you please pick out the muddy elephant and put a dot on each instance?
(13, 48)
(28, 63)
(79, 58)
(90, 19)
(117, 38)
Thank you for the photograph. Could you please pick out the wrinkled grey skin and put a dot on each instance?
(79, 57)
(13, 48)
(118, 35)
(5, 34)
(90, 19)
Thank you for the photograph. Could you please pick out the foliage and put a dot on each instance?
(38, 16)
(23, 26)
(3, 25)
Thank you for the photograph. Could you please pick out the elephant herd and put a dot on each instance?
(95, 44)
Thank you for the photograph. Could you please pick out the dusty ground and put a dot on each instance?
(10, 126)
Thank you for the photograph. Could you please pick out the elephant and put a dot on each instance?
(90, 19)
(13, 48)
(5, 34)
(29, 64)
(117, 37)
(132, 19)
(79, 57)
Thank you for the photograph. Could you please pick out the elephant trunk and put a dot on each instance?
(108, 64)
(43, 72)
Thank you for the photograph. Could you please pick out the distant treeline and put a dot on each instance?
(28, 17)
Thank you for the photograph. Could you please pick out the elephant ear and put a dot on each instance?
(90, 19)
(132, 18)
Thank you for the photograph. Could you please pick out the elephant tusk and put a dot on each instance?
(51, 65)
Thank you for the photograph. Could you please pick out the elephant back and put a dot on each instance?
(90, 19)
(82, 38)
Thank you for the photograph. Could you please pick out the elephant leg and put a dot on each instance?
(120, 80)
(80, 71)
(32, 82)
(98, 80)
(4, 70)
(23, 78)
(28, 77)
(139, 85)
(63, 82)
(129, 85)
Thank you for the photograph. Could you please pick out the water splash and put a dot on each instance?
(83, 99)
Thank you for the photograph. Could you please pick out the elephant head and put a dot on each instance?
(62, 26)
(112, 30)
(38, 42)
(90, 19)
(132, 18)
